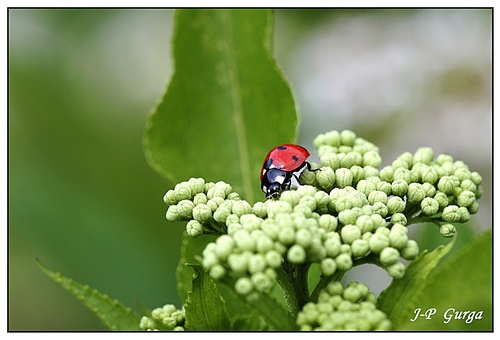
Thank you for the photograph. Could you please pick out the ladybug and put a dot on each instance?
(279, 167)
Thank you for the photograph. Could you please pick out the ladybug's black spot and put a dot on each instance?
(281, 147)
(295, 158)
(269, 162)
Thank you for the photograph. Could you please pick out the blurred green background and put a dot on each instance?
(82, 198)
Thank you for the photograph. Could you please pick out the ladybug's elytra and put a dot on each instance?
(279, 167)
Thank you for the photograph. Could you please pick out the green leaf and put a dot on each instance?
(227, 103)
(205, 308)
(271, 311)
(113, 313)
(190, 249)
(401, 298)
(462, 282)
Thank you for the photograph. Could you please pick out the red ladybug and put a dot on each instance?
(279, 167)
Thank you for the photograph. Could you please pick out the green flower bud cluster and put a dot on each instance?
(204, 205)
(338, 308)
(415, 187)
(166, 318)
(294, 231)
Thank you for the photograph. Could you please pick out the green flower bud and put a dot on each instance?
(398, 236)
(360, 248)
(384, 187)
(448, 168)
(216, 191)
(429, 189)
(238, 263)
(256, 263)
(387, 174)
(462, 174)
(402, 174)
(215, 202)
(377, 196)
(217, 272)
(243, 286)
(202, 213)
(241, 208)
(378, 242)
(466, 198)
(451, 214)
(322, 200)
(210, 259)
(372, 158)
(286, 235)
(330, 138)
(399, 187)
(344, 262)
(349, 233)
(370, 171)
(194, 228)
(410, 250)
(328, 266)
(347, 137)
(447, 230)
(196, 185)
(380, 208)
(251, 222)
(473, 208)
(243, 240)
(442, 199)
(396, 205)
(259, 209)
(171, 197)
(183, 191)
(429, 206)
(172, 215)
(303, 237)
(326, 178)
(290, 196)
(221, 214)
(464, 214)
(365, 187)
(261, 281)
(224, 246)
(389, 256)
(332, 245)
(343, 177)
(416, 193)
(273, 258)
(396, 270)
(330, 160)
(429, 175)
(447, 184)
(407, 157)
(399, 218)
(423, 155)
(347, 217)
(365, 223)
(328, 222)
(467, 184)
(351, 159)
(441, 159)
(185, 209)
(399, 163)
(296, 254)
(358, 173)
(476, 178)
(200, 198)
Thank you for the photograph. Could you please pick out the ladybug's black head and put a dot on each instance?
(274, 191)
(274, 182)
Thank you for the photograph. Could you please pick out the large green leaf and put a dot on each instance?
(227, 103)
(113, 313)
(205, 308)
(462, 283)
